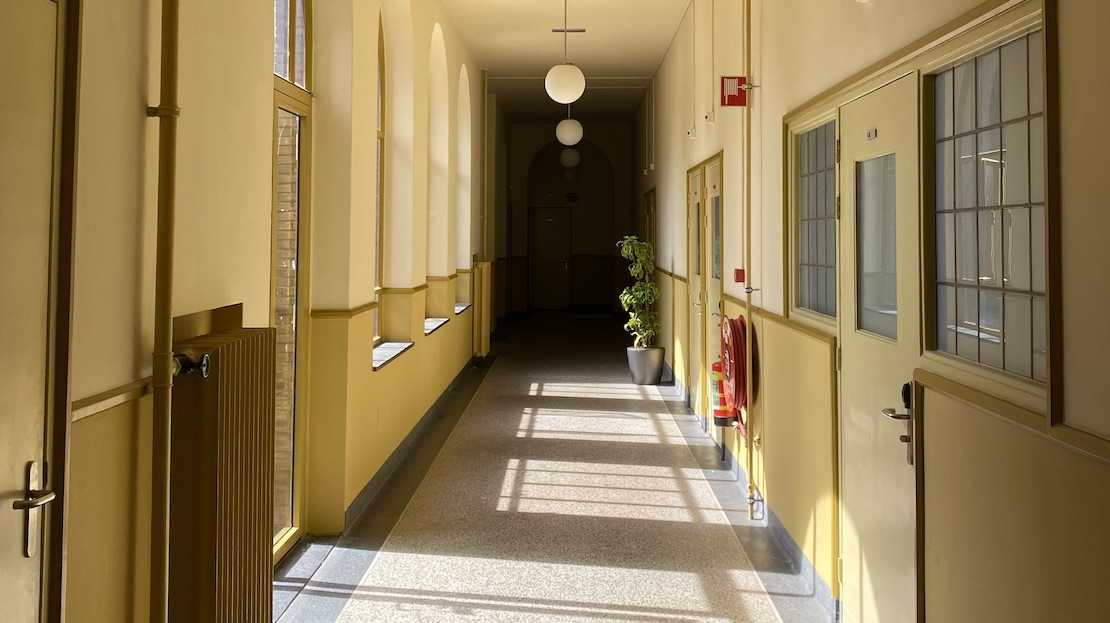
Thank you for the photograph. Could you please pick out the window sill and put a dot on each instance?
(388, 351)
(461, 307)
(431, 325)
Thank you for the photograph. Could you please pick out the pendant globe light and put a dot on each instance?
(570, 158)
(569, 131)
(565, 83)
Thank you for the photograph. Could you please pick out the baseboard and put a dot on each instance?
(365, 497)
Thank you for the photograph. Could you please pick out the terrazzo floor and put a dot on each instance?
(563, 493)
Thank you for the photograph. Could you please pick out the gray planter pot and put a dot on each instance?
(646, 364)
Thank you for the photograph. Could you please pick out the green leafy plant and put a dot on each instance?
(638, 298)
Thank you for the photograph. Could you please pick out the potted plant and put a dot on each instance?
(645, 360)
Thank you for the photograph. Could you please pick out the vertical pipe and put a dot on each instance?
(749, 325)
(167, 113)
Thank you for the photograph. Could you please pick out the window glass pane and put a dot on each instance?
(965, 172)
(285, 311)
(1036, 73)
(990, 242)
(1040, 342)
(1036, 244)
(942, 96)
(989, 95)
(990, 248)
(967, 323)
(1015, 168)
(816, 209)
(967, 248)
(830, 291)
(946, 319)
(819, 147)
(990, 168)
(964, 97)
(1016, 243)
(803, 154)
(830, 144)
(378, 218)
(877, 278)
(1015, 80)
(946, 248)
(946, 176)
(1019, 338)
(830, 243)
(829, 201)
(990, 328)
(1036, 160)
(299, 74)
(281, 38)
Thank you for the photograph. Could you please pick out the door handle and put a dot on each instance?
(566, 265)
(35, 499)
(892, 413)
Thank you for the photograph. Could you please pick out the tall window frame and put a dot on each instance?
(292, 102)
(379, 181)
(811, 214)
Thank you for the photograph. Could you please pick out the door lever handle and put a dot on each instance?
(35, 499)
(891, 413)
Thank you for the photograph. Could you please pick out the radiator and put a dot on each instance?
(222, 480)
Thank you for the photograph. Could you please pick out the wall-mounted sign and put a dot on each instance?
(733, 92)
(572, 197)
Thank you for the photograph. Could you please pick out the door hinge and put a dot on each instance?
(840, 570)
(838, 208)
(838, 357)
(838, 151)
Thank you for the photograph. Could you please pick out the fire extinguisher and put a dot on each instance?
(722, 415)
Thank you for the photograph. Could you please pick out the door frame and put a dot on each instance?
(58, 413)
(532, 246)
(698, 386)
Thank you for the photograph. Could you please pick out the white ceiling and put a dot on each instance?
(623, 45)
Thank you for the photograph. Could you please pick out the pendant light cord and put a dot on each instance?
(564, 32)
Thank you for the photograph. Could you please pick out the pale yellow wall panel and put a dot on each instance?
(224, 158)
(799, 440)
(1085, 210)
(114, 286)
(1015, 524)
(664, 307)
(108, 555)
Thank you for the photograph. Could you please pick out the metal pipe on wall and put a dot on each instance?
(749, 325)
(167, 113)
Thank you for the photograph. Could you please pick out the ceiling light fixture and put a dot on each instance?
(569, 131)
(565, 83)
(570, 158)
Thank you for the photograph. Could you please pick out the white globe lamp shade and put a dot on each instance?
(565, 83)
(569, 132)
(570, 158)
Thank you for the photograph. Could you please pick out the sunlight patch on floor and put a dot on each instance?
(604, 490)
(621, 391)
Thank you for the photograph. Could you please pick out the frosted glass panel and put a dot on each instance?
(990, 91)
(877, 302)
(1018, 341)
(1016, 243)
(946, 319)
(964, 97)
(1015, 167)
(942, 95)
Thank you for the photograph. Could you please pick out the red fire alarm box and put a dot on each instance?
(733, 92)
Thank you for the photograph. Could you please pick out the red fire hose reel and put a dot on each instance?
(733, 362)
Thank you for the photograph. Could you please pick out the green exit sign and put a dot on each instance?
(572, 197)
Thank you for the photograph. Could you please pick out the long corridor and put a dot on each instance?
(563, 493)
